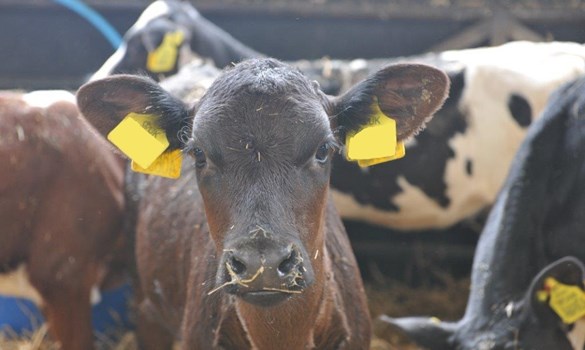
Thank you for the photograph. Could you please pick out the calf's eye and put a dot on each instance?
(322, 153)
(200, 159)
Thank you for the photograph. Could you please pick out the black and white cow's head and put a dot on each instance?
(262, 140)
(168, 34)
(162, 20)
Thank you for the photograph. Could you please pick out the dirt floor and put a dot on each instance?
(445, 301)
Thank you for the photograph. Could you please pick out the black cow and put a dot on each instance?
(537, 219)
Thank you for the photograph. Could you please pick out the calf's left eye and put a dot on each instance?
(322, 153)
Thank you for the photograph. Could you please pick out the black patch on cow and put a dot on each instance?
(520, 110)
(469, 167)
(423, 166)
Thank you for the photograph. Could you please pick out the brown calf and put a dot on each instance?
(61, 207)
(246, 250)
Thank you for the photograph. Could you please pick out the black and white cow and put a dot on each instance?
(495, 95)
(536, 230)
(466, 151)
(198, 36)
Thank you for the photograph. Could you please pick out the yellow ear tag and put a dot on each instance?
(400, 152)
(139, 138)
(566, 300)
(167, 165)
(375, 143)
(163, 58)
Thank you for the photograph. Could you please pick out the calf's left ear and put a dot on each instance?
(408, 93)
(106, 102)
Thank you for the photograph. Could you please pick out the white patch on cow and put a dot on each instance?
(45, 98)
(577, 335)
(358, 64)
(492, 137)
(509, 309)
(95, 296)
(16, 284)
(428, 214)
(154, 10)
(108, 67)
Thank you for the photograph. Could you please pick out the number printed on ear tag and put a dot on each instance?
(139, 138)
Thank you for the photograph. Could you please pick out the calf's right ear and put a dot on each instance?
(408, 93)
(106, 102)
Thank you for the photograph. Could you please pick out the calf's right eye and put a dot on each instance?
(200, 158)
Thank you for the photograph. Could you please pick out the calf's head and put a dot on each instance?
(261, 139)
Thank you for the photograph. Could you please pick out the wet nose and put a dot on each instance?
(277, 263)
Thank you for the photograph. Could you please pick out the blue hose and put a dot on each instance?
(99, 22)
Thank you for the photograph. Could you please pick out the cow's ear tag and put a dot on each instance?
(566, 300)
(399, 153)
(139, 138)
(167, 164)
(376, 142)
(163, 58)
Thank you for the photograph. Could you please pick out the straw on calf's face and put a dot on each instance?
(262, 138)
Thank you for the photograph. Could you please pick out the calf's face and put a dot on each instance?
(261, 139)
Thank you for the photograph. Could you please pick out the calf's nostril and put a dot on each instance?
(289, 263)
(237, 266)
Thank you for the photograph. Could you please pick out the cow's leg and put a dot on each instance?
(67, 305)
(69, 317)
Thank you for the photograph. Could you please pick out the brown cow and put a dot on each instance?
(246, 250)
(61, 208)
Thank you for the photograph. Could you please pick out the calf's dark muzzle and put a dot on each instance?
(264, 269)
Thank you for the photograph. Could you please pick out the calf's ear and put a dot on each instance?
(565, 278)
(106, 102)
(408, 93)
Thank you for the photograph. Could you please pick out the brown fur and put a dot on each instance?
(61, 208)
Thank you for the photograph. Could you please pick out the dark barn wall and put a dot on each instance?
(51, 47)
(47, 46)
(298, 37)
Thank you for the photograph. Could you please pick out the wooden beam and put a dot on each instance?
(470, 37)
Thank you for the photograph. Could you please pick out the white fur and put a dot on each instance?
(108, 67)
(45, 98)
(154, 10)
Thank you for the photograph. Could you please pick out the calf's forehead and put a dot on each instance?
(262, 97)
